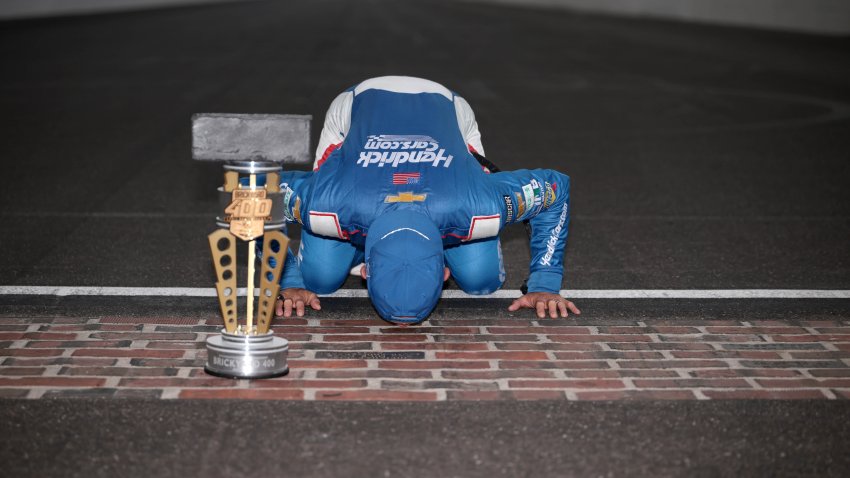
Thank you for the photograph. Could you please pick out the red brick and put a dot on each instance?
(743, 372)
(672, 364)
(163, 382)
(540, 330)
(834, 330)
(691, 383)
(505, 395)
(515, 322)
(600, 338)
(453, 330)
(365, 373)
(375, 338)
(805, 383)
(144, 336)
(69, 328)
(566, 384)
(196, 362)
(711, 338)
(24, 371)
(14, 328)
(175, 345)
(492, 355)
(494, 374)
(76, 344)
(471, 346)
(547, 346)
(51, 382)
(842, 394)
(615, 373)
(31, 352)
(300, 383)
(92, 362)
(11, 335)
(648, 330)
(565, 365)
(128, 353)
(696, 322)
(290, 337)
(843, 346)
(431, 364)
(49, 336)
(718, 354)
(769, 323)
(756, 330)
(244, 394)
(486, 338)
(810, 338)
(674, 329)
(437, 384)
(376, 395)
(151, 320)
(361, 346)
(608, 354)
(830, 372)
(636, 395)
(61, 320)
(623, 329)
(672, 345)
(763, 394)
(821, 323)
(324, 364)
(119, 371)
(430, 330)
(820, 354)
(301, 329)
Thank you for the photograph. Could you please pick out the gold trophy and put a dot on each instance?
(252, 147)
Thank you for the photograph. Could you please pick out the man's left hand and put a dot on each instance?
(543, 301)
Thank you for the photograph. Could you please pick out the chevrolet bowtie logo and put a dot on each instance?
(406, 197)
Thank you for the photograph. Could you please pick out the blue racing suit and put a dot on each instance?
(403, 148)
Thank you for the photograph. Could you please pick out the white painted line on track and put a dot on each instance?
(449, 294)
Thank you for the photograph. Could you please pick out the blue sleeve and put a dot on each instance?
(294, 185)
(543, 196)
(291, 277)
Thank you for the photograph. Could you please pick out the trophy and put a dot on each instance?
(252, 149)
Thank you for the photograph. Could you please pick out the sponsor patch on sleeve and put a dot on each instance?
(549, 195)
(509, 209)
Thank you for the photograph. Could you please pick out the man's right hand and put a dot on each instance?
(295, 299)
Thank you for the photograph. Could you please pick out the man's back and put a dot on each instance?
(403, 149)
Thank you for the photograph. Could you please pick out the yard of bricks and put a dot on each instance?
(504, 358)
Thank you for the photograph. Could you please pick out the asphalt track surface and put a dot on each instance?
(701, 157)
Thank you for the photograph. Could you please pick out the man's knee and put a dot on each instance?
(321, 276)
(479, 282)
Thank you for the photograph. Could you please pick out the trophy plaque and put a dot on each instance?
(253, 149)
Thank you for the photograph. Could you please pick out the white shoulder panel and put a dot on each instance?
(403, 84)
(484, 226)
(326, 224)
(337, 123)
(468, 126)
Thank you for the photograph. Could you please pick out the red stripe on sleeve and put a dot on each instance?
(327, 153)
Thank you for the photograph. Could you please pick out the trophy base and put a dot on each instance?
(247, 356)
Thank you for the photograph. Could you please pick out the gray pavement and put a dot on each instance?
(539, 438)
(701, 157)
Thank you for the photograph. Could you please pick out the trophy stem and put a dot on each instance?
(252, 256)
(252, 245)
